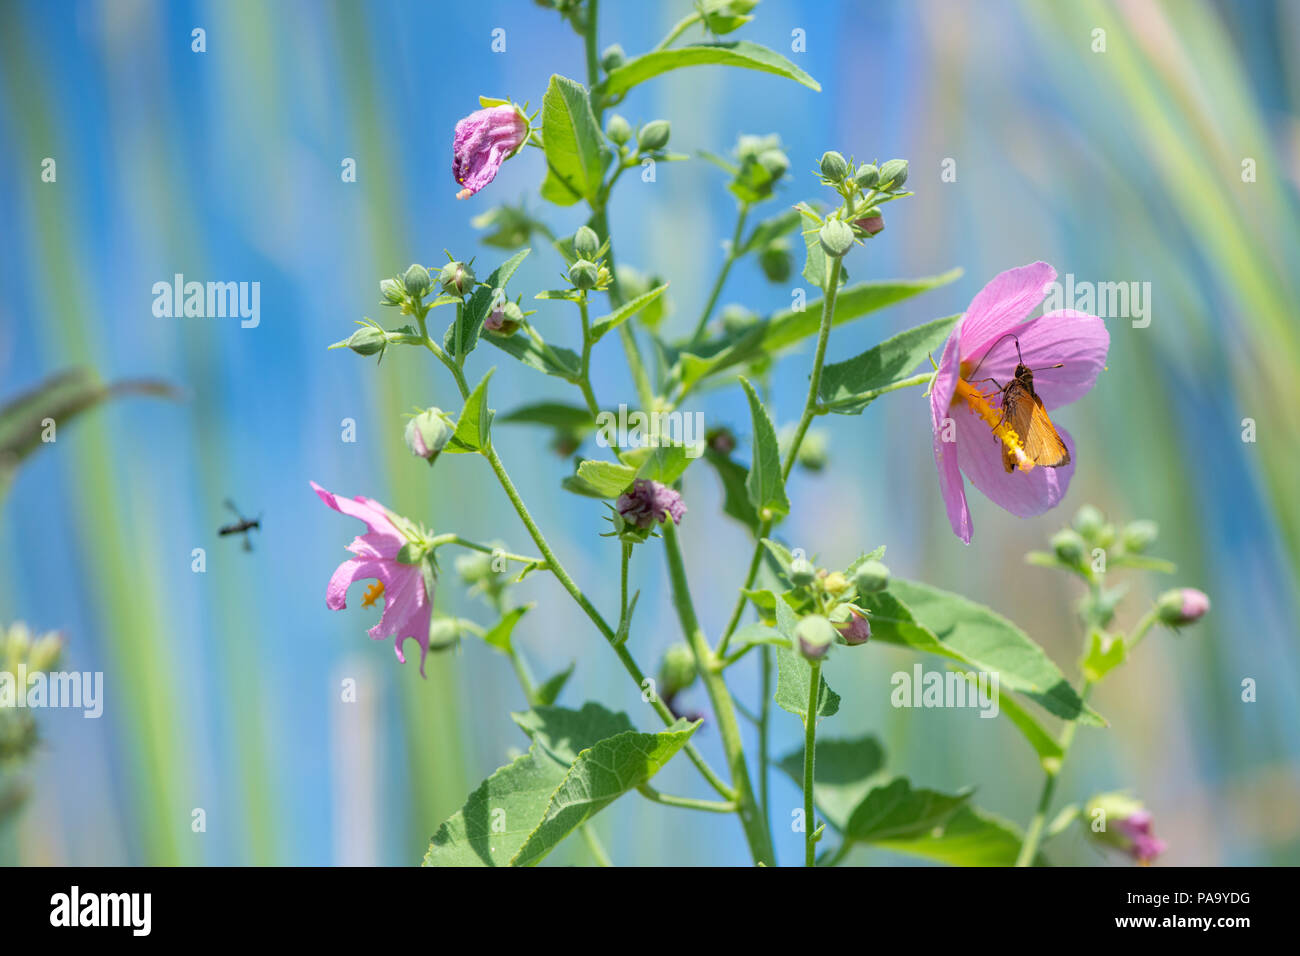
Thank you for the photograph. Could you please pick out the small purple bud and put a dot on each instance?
(1144, 845)
(856, 630)
(650, 501)
(721, 440)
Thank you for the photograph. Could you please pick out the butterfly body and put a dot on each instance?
(1022, 409)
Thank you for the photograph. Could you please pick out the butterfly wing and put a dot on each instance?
(1038, 436)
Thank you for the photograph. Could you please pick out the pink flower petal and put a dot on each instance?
(367, 509)
(355, 569)
(945, 452)
(1023, 493)
(1076, 340)
(406, 611)
(1003, 303)
(377, 545)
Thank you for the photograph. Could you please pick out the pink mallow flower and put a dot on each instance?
(407, 606)
(970, 431)
(484, 140)
(1143, 845)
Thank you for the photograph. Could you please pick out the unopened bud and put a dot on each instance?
(392, 291)
(1182, 606)
(815, 635)
(871, 577)
(427, 433)
(893, 174)
(867, 176)
(654, 136)
(456, 278)
(1139, 535)
(367, 340)
(1088, 521)
(802, 572)
(586, 243)
(836, 237)
(584, 274)
(612, 58)
(618, 129)
(834, 166)
(1068, 545)
(677, 670)
(416, 280)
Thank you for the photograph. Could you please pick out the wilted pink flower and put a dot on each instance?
(484, 140)
(650, 501)
(969, 429)
(407, 607)
(1143, 845)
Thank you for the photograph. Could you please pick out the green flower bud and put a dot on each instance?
(812, 453)
(815, 635)
(737, 317)
(456, 278)
(834, 166)
(427, 433)
(1182, 606)
(392, 291)
(612, 58)
(776, 260)
(654, 136)
(584, 274)
(836, 237)
(444, 632)
(775, 161)
(618, 129)
(586, 243)
(893, 174)
(1140, 535)
(1088, 521)
(1069, 546)
(416, 280)
(867, 176)
(367, 340)
(802, 572)
(677, 670)
(871, 577)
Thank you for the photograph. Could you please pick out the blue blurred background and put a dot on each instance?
(223, 687)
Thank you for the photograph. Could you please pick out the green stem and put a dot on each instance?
(732, 256)
(594, 845)
(1034, 833)
(921, 379)
(439, 540)
(829, 293)
(1140, 631)
(809, 756)
(765, 712)
(557, 568)
(584, 382)
(682, 25)
(686, 803)
(751, 818)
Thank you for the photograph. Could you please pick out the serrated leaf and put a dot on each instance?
(970, 837)
(607, 323)
(571, 141)
(938, 622)
(464, 333)
(788, 327)
(504, 810)
(849, 387)
(739, 53)
(793, 682)
(897, 812)
(765, 483)
(498, 635)
(474, 425)
(600, 775)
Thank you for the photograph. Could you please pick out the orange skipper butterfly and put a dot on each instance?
(1023, 410)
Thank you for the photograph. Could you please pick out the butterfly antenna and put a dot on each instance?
(995, 345)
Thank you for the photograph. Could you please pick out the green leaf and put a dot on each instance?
(1044, 744)
(500, 815)
(548, 691)
(59, 398)
(849, 387)
(605, 477)
(788, 327)
(756, 633)
(928, 619)
(600, 775)
(735, 493)
(472, 427)
(739, 53)
(551, 359)
(773, 227)
(571, 140)
(465, 333)
(765, 484)
(844, 772)
(498, 635)
(1104, 654)
(969, 837)
(564, 733)
(897, 812)
(557, 414)
(814, 264)
(663, 463)
(607, 323)
(793, 677)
